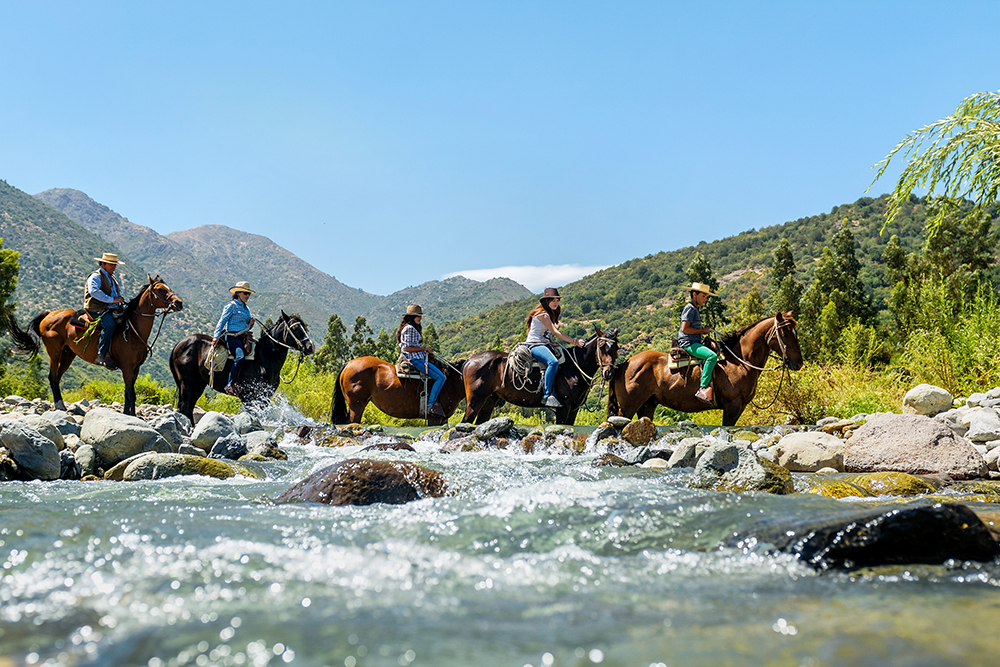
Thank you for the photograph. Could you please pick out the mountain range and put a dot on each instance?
(59, 232)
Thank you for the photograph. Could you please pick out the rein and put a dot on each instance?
(162, 312)
(290, 347)
(773, 333)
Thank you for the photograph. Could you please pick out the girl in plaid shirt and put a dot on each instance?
(410, 338)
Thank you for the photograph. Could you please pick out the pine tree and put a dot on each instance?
(751, 309)
(335, 350)
(362, 344)
(385, 347)
(786, 290)
(430, 337)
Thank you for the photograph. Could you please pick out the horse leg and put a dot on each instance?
(56, 371)
(188, 393)
(731, 413)
(129, 376)
(648, 408)
(486, 411)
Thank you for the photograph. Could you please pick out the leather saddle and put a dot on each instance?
(407, 371)
(678, 358)
(82, 319)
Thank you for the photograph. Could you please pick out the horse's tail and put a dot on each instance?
(613, 407)
(25, 342)
(338, 410)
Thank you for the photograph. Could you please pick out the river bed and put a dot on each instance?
(536, 560)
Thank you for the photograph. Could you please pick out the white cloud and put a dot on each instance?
(535, 278)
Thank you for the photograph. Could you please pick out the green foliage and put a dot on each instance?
(335, 350)
(431, 337)
(786, 290)
(147, 390)
(9, 270)
(751, 309)
(957, 156)
(25, 378)
(385, 347)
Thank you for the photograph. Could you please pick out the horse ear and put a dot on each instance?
(779, 317)
(149, 278)
(283, 315)
(597, 329)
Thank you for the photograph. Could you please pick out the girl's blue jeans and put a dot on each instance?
(543, 353)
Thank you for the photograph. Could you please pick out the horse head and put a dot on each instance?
(784, 340)
(161, 296)
(607, 350)
(293, 334)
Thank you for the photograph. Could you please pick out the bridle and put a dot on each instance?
(775, 332)
(604, 368)
(168, 307)
(301, 345)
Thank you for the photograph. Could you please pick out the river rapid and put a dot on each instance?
(536, 560)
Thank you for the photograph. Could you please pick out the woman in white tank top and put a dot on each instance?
(542, 330)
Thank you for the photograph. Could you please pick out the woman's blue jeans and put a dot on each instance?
(543, 353)
(235, 345)
(436, 375)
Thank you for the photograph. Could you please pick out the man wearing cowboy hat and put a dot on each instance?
(690, 335)
(236, 320)
(102, 296)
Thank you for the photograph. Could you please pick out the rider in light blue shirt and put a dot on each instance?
(235, 321)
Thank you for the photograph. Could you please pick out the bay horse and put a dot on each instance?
(259, 377)
(372, 380)
(488, 379)
(645, 380)
(64, 342)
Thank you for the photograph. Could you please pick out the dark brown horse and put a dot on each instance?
(259, 377)
(645, 380)
(488, 380)
(64, 342)
(370, 379)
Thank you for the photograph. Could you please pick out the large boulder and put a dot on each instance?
(159, 466)
(86, 458)
(926, 399)
(809, 451)
(46, 428)
(917, 532)
(211, 427)
(364, 482)
(914, 444)
(639, 432)
(36, 456)
(244, 422)
(115, 436)
(493, 428)
(230, 446)
(735, 467)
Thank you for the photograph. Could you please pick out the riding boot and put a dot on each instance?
(436, 409)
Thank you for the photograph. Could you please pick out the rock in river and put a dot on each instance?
(364, 482)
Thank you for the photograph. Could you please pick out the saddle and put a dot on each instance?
(83, 319)
(678, 358)
(407, 371)
(521, 363)
(216, 359)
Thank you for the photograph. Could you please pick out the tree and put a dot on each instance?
(497, 344)
(362, 344)
(9, 269)
(751, 309)
(335, 349)
(431, 337)
(786, 290)
(958, 157)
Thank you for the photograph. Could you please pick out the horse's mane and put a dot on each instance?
(731, 341)
(132, 305)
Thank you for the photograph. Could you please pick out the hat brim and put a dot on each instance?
(104, 261)
(234, 290)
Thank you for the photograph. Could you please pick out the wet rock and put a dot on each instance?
(654, 462)
(36, 456)
(9, 470)
(465, 427)
(211, 427)
(115, 436)
(729, 467)
(395, 446)
(68, 467)
(926, 399)
(605, 430)
(229, 446)
(469, 443)
(912, 444)
(336, 441)
(687, 452)
(640, 432)
(86, 458)
(265, 445)
(809, 451)
(917, 532)
(530, 442)
(302, 431)
(610, 460)
(988, 490)
(159, 445)
(364, 482)
(991, 459)
(160, 466)
(244, 422)
(46, 428)
(191, 450)
(493, 428)
(874, 484)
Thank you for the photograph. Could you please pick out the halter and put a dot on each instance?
(168, 308)
(603, 367)
(773, 333)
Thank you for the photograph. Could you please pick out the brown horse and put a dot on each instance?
(64, 342)
(370, 379)
(488, 380)
(645, 380)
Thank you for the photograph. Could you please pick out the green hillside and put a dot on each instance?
(638, 296)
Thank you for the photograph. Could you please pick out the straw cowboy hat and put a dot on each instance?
(241, 286)
(550, 293)
(701, 287)
(414, 309)
(109, 258)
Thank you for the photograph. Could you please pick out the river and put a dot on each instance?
(533, 560)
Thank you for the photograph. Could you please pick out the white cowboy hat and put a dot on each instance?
(700, 287)
(109, 258)
(241, 286)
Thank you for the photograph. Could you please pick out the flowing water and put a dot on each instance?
(531, 560)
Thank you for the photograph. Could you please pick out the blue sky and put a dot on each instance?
(391, 143)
